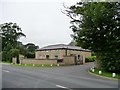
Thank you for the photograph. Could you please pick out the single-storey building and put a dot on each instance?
(60, 51)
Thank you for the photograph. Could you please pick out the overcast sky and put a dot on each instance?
(41, 20)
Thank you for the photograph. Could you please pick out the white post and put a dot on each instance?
(33, 65)
(93, 70)
(100, 72)
(113, 74)
(51, 65)
(58, 65)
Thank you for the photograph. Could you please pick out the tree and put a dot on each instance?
(27, 50)
(10, 33)
(31, 47)
(31, 50)
(72, 43)
(22, 49)
(96, 27)
(14, 52)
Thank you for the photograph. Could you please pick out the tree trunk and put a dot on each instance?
(98, 60)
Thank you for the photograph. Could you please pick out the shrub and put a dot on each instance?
(90, 59)
(111, 62)
(14, 52)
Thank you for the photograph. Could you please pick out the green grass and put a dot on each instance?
(37, 65)
(105, 73)
(40, 65)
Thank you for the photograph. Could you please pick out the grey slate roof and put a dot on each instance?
(62, 46)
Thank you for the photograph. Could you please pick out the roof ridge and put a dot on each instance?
(53, 45)
(60, 46)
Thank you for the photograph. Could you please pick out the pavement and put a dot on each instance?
(66, 77)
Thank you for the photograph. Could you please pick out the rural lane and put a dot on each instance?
(67, 77)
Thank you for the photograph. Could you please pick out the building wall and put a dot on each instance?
(61, 53)
(69, 60)
(51, 53)
(75, 52)
(86, 54)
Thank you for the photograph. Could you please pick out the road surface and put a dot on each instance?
(67, 77)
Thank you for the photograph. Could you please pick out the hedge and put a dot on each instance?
(90, 59)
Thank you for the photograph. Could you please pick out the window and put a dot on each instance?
(56, 56)
(47, 56)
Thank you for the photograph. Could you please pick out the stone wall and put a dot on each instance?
(34, 61)
(69, 60)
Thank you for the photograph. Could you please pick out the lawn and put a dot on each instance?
(105, 73)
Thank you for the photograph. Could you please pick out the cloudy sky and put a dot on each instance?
(41, 20)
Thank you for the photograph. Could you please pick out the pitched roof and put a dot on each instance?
(62, 46)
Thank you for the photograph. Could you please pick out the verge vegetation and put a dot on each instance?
(104, 73)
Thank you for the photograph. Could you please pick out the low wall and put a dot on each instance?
(69, 60)
(34, 61)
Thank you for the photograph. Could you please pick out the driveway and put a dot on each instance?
(67, 77)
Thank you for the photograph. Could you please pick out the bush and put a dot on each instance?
(111, 62)
(90, 59)
(14, 52)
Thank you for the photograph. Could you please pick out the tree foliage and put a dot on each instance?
(31, 47)
(10, 33)
(11, 47)
(28, 50)
(14, 52)
(31, 50)
(96, 26)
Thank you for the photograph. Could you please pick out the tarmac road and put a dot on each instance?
(67, 77)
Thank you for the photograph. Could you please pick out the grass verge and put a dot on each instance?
(37, 65)
(105, 73)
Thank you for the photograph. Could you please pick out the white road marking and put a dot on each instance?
(63, 87)
(60, 86)
(5, 71)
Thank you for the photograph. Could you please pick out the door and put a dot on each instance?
(77, 60)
